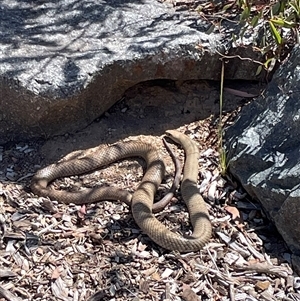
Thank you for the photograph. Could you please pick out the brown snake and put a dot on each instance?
(142, 198)
(80, 162)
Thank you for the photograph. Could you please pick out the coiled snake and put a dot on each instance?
(142, 198)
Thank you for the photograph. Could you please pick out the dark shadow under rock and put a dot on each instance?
(150, 108)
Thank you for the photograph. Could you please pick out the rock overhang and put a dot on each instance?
(64, 63)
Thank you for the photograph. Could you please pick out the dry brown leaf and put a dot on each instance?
(262, 285)
(189, 295)
(55, 274)
(236, 217)
(68, 233)
(233, 211)
(82, 212)
(58, 215)
(149, 271)
(253, 261)
(156, 276)
(40, 251)
(141, 247)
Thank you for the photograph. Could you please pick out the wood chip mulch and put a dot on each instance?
(53, 251)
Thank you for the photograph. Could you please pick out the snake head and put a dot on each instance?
(174, 135)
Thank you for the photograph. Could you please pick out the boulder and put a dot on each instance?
(264, 150)
(64, 63)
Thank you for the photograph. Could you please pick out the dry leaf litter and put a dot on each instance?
(53, 251)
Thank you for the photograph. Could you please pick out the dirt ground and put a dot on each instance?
(53, 251)
(149, 109)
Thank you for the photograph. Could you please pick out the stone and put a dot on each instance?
(64, 63)
(264, 150)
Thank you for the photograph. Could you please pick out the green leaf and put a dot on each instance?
(296, 7)
(267, 62)
(254, 21)
(275, 8)
(245, 14)
(227, 6)
(241, 3)
(270, 64)
(279, 22)
(275, 33)
(210, 29)
(283, 23)
(258, 70)
(283, 5)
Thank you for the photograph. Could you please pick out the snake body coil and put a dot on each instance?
(142, 198)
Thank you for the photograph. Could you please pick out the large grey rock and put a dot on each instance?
(63, 63)
(264, 150)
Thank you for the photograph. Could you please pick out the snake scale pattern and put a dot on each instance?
(142, 199)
